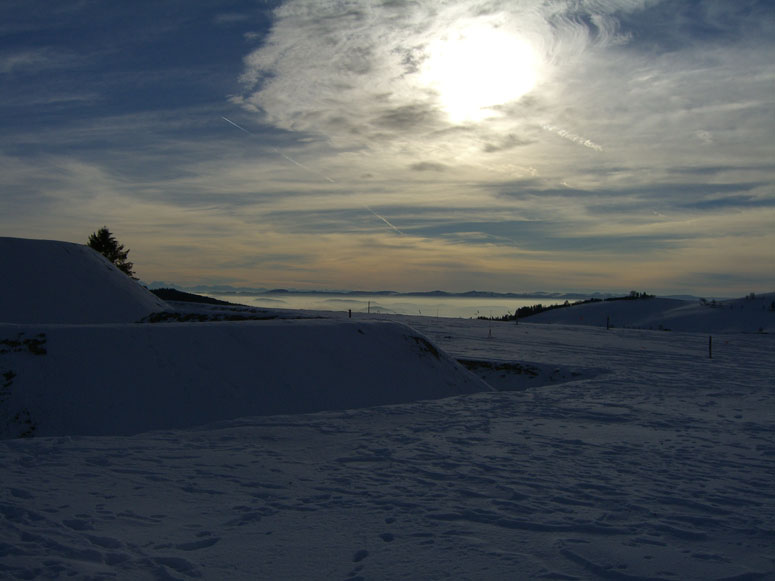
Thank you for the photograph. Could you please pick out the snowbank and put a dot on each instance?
(73, 361)
(46, 281)
(126, 379)
(748, 315)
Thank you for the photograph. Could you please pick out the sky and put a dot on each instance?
(512, 146)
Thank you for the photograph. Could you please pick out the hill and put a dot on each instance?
(46, 281)
(79, 354)
(744, 315)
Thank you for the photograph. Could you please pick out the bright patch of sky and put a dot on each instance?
(498, 145)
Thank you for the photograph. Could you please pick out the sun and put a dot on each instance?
(476, 68)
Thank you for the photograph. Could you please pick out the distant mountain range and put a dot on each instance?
(251, 291)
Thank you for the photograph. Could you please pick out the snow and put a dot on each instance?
(125, 379)
(47, 281)
(602, 454)
(748, 315)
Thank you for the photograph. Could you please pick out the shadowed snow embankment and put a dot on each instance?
(46, 281)
(125, 379)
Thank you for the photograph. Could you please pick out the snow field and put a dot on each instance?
(656, 464)
(619, 454)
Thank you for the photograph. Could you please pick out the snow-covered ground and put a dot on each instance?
(749, 315)
(603, 454)
(124, 379)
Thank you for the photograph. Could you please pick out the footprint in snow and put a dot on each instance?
(196, 545)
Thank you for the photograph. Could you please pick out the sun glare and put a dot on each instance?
(477, 68)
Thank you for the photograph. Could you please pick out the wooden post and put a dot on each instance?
(349, 313)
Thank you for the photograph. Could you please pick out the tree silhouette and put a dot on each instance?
(106, 244)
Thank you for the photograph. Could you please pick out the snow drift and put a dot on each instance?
(73, 359)
(126, 379)
(46, 281)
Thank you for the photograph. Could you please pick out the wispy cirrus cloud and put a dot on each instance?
(350, 74)
(36, 60)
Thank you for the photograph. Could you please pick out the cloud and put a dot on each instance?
(351, 74)
(36, 60)
(506, 142)
(727, 203)
(642, 150)
(428, 166)
(326, 60)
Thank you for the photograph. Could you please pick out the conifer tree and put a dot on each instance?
(106, 244)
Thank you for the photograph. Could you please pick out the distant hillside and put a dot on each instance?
(751, 314)
(172, 294)
(532, 310)
(252, 291)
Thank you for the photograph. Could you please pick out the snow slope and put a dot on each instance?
(125, 379)
(731, 316)
(47, 281)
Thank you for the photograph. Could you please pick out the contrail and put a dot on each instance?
(565, 134)
(278, 152)
(235, 125)
(317, 173)
(385, 220)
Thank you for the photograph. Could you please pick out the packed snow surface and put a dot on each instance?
(46, 281)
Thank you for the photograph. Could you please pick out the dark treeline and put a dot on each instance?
(171, 294)
(523, 312)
